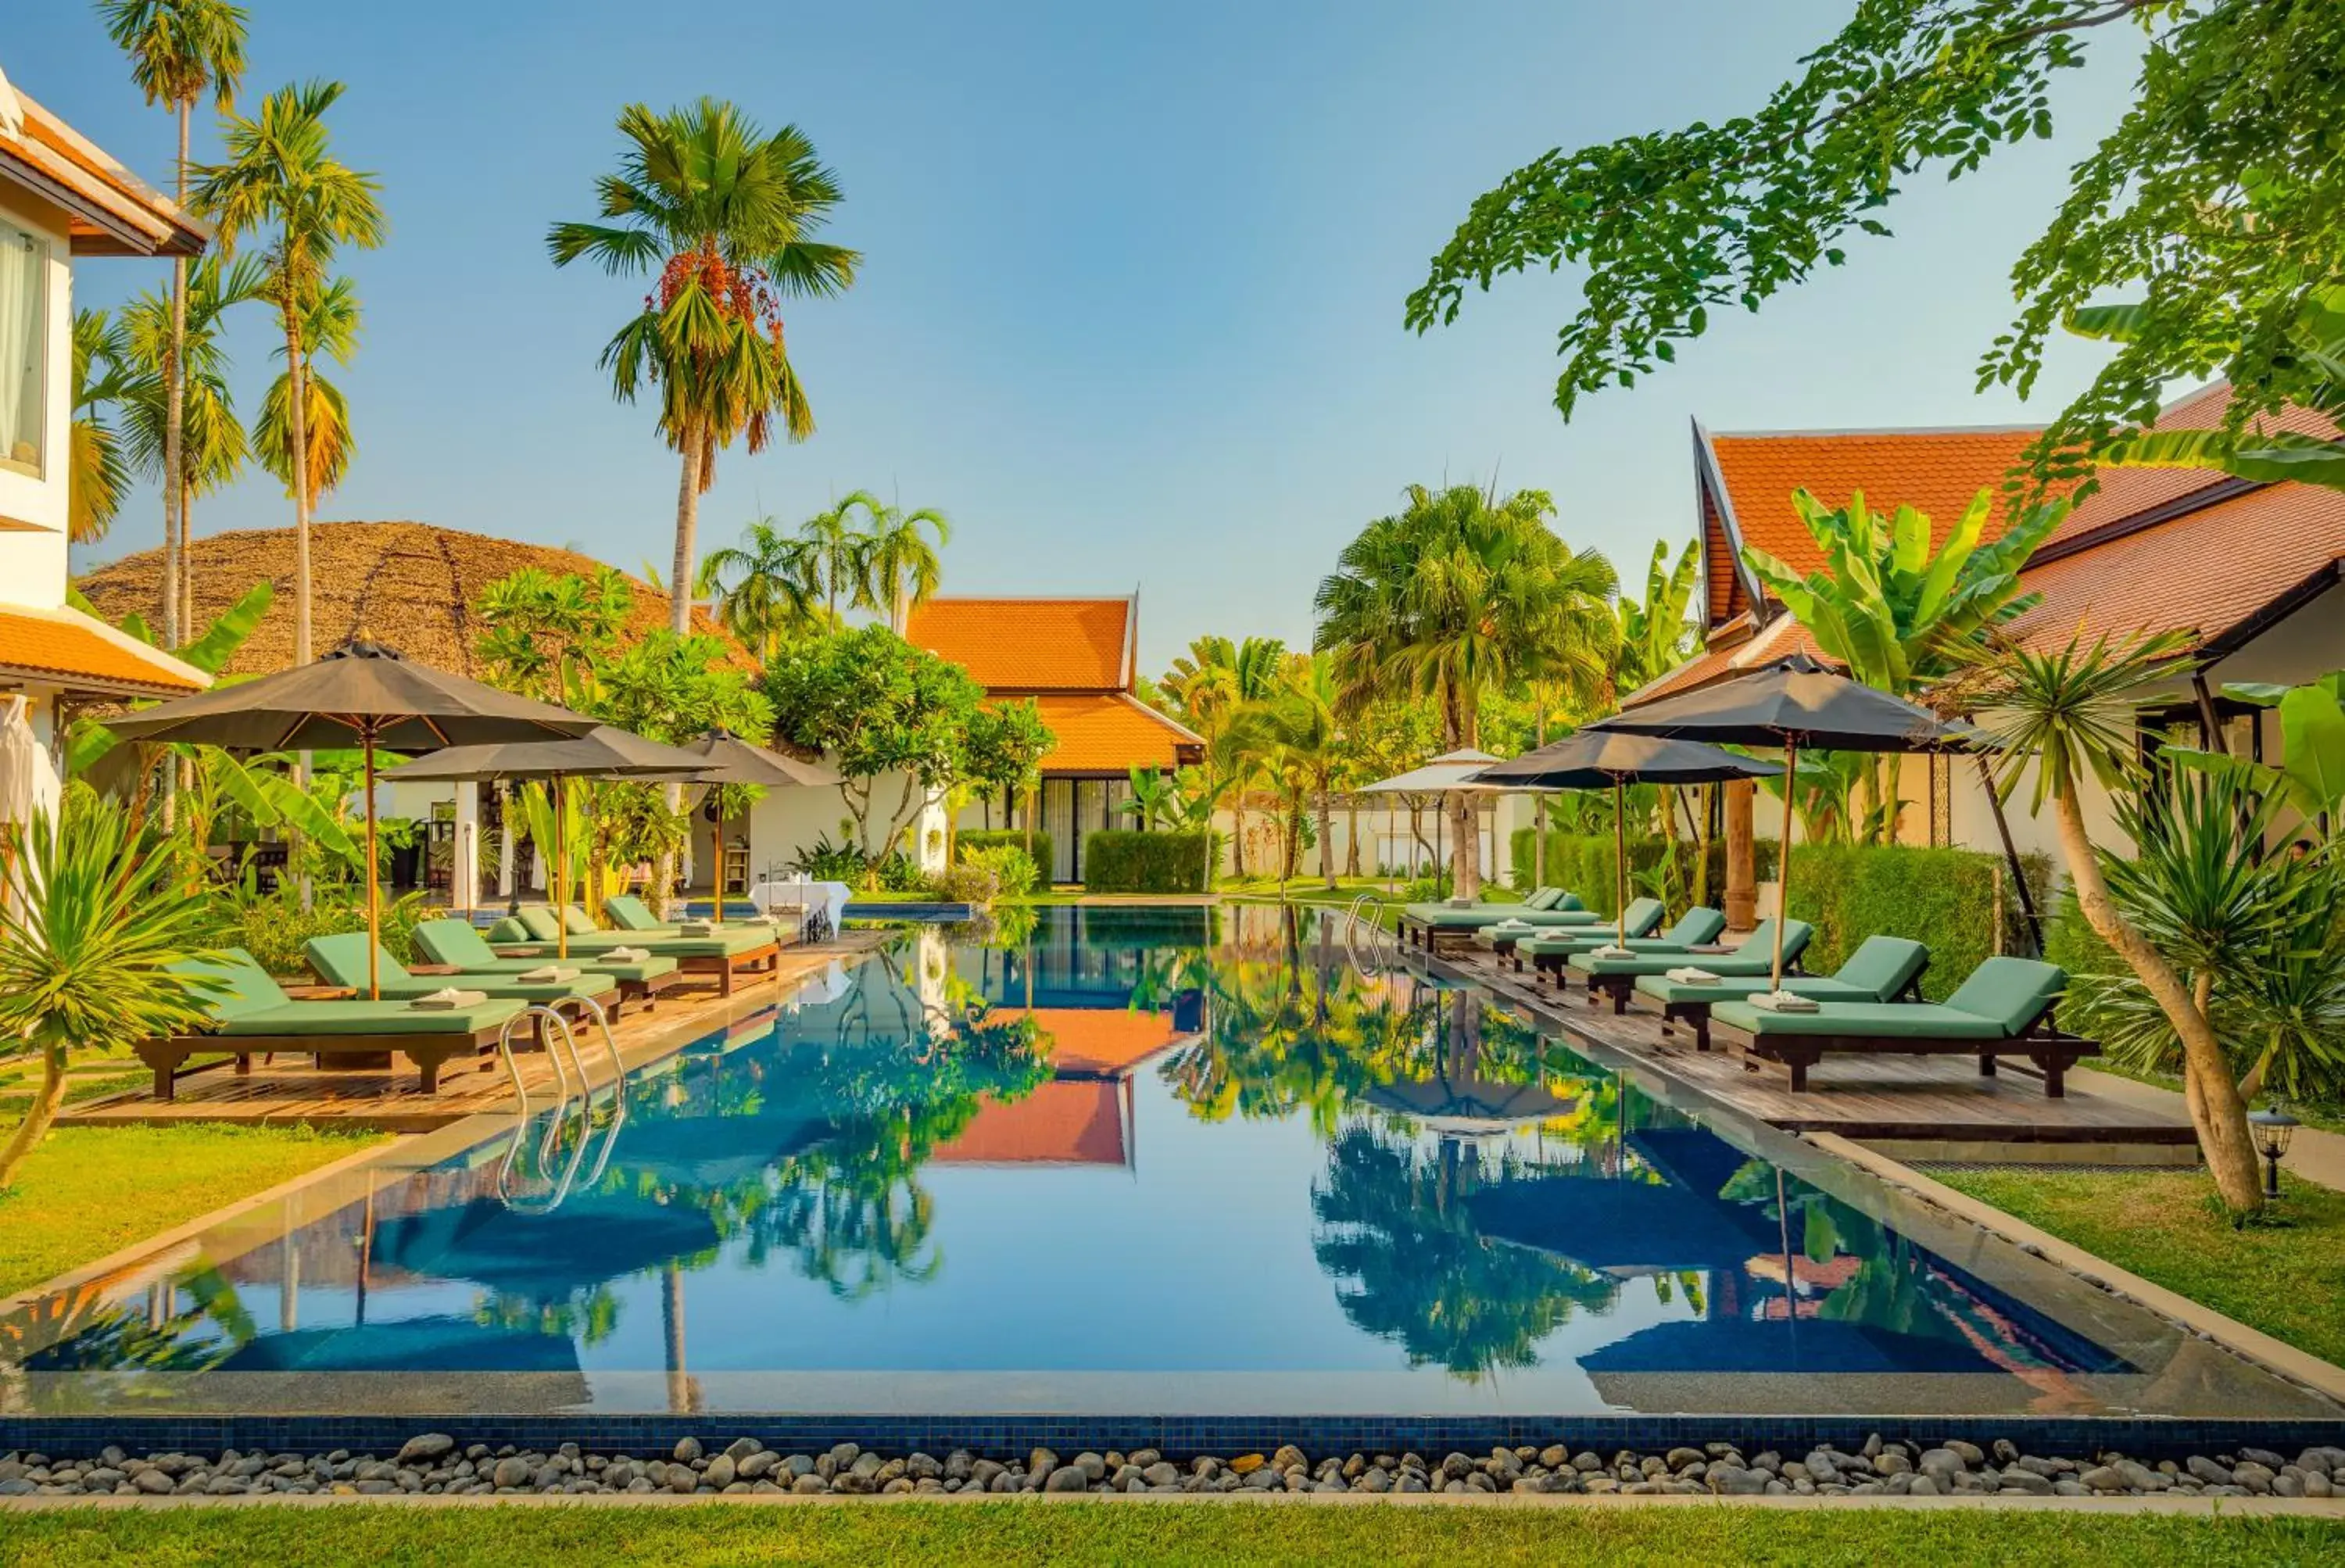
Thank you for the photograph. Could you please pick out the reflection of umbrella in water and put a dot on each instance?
(445, 1344)
(590, 1240)
(1470, 1107)
(1621, 1226)
(711, 1151)
(1719, 1344)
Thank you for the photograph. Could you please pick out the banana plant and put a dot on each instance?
(2314, 366)
(2311, 771)
(1655, 631)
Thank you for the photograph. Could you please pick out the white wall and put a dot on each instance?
(32, 564)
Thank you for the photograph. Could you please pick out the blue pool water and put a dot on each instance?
(1161, 1160)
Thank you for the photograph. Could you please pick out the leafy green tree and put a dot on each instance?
(1461, 594)
(2062, 717)
(1657, 633)
(1208, 684)
(841, 555)
(900, 566)
(543, 635)
(97, 473)
(86, 948)
(876, 705)
(280, 173)
(1295, 738)
(1002, 749)
(2207, 198)
(725, 214)
(766, 588)
(179, 50)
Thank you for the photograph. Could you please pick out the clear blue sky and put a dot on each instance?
(1132, 309)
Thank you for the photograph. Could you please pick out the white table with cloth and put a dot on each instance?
(779, 896)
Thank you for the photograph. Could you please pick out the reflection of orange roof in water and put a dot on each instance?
(1104, 1040)
(1067, 1121)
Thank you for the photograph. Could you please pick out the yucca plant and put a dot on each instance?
(87, 934)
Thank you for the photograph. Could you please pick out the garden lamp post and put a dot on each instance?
(2274, 1128)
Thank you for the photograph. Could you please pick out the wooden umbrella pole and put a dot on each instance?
(1619, 861)
(560, 800)
(1783, 866)
(717, 910)
(374, 897)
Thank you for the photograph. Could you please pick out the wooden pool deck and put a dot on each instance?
(1940, 1103)
(290, 1092)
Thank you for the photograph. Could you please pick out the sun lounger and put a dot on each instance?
(1753, 955)
(729, 951)
(2004, 1009)
(1425, 924)
(1695, 928)
(456, 945)
(1641, 920)
(342, 960)
(251, 1015)
(1882, 968)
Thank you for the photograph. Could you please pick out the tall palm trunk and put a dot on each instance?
(1326, 839)
(2216, 1109)
(679, 620)
(296, 397)
(175, 393)
(1464, 842)
(1538, 809)
(43, 1110)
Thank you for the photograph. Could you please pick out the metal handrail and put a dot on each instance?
(1353, 922)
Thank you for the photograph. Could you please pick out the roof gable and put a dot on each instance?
(112, 212)
(1031, 645)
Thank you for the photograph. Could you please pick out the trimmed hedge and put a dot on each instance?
(1583, 864)
(969, 839)
(1942, 897)
(1121, 861)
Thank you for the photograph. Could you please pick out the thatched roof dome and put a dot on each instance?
(408, 584)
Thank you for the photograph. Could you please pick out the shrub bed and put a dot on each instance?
(969, 839)
(1584, 863)
(1119, 860)
(1942, 897)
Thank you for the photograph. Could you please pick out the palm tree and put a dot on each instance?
(2070, 714)
(179, 50)
(280, 172)
(213, 443)
(777, 582)
(900, 564)
(1295, 738)
(330, 330)
(99, 472)
(722, 212)
(1461, 594)
(841, 553)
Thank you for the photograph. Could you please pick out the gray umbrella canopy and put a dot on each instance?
(1599, 759)
(729, 759)
(1794, 702)
(362, 692)
(602, 752)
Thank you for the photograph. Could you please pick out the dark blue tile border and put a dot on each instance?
(2140, 1437)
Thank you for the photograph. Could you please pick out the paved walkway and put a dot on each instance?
(2314, 1156)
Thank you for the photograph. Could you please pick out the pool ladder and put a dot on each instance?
(557, 1032)
(1382, 952)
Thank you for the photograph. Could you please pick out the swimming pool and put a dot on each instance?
(1173, 1161)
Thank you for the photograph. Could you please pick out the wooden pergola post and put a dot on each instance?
(1742, 856)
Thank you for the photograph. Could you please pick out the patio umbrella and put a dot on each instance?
(1791, 703)
(603, 752)
(1450, 770)
(1592, 759)
(362, 693)
(732, 760)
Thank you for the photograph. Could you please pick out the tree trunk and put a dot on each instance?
(44, 1110)
(1539, 810)
(687, 520)
(1742, 855)
(1327, 842)
(1466, 839)
(1352, 835)
(297, 395)
(187, 558)
(2219, 1112)
(175, 394)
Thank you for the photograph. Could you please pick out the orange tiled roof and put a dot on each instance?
(1031, 645)
(2206, 572)
(113, 212)
(1099, 1041)
(1779, 638)
(66, 649)
(1937, 471)
(1109, 733)
(1065, 1121)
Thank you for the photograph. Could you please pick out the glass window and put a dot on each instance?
(24, 347)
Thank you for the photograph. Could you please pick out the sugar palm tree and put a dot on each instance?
(773, 589)
(98, 472)
(1460, 594)
(841, 553)
(724, 213)
(280, 174)
(329, 330)
(179, 50)
(899, 564)
(213, 442)
(2069, 715)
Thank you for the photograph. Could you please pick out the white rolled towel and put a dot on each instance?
(549, 975)
(696, 927)
(1688, 974)
(1784, 1001)
(449, 999)
(1610, 950)
(627, 954)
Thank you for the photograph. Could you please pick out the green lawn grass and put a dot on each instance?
(90, 1191)
(2284, 1277)
(936, 1536)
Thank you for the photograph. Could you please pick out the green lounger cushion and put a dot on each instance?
(629, 912)
(537, 920)
(1878, 970)
(342, 960)
(1755, 954)
(1889, 1019)
(1696, 926)
(1543, 898)
(732, 943)
(250, 1003)
(456, 942)
(1641, 918)
(578, 921)
(238, 985)
(1474, 917)
(2010, 992)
